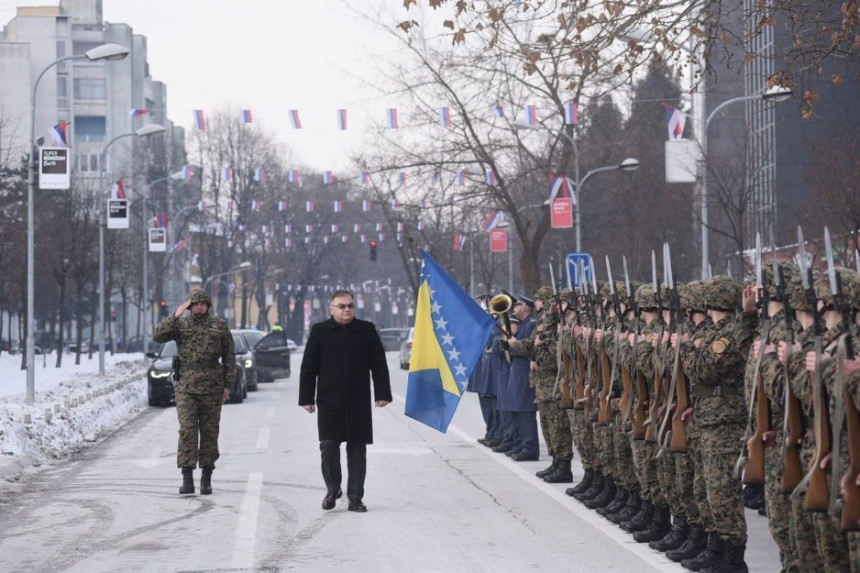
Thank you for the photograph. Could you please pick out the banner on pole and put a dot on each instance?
(54, 168)
(117, 213)
(158, 240)
(561, 213)
(498, 240)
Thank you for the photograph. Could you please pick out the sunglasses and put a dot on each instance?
(349, 306)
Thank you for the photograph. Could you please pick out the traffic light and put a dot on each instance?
(372, 250)
(113, 316)
(163, 308)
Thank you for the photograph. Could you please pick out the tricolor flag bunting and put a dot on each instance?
(139, 112)
(491, 178)
(117, 191)
(365, 205)
(294, 119)
(199, 120)
(571, 113)
(246, 116)
(493, 219)
(459, 241)
(259, 174)
(341, 119)
(364, 178)
(226, 173)
(676, 120)
(531, 115)
(391, 114)
(451, 330)
(445, 117)
(59, 134)
(328, 177)
(561, 186)
(499, 111)
(187, 172)
(294, 176)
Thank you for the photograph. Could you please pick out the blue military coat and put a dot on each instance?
(519, 396)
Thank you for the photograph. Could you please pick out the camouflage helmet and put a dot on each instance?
(848, 286)
(722, 293)
(199, 295)
(693, 296)
(787, 271)
(569, 296)
(795, 293)
(645, 297)
(543, 293)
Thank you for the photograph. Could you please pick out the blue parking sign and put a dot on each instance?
(574, 261)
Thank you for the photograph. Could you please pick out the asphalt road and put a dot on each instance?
(436, 502)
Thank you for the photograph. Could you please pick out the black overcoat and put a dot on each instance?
(336, 369)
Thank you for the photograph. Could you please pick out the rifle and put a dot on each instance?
(579, 383)
(814, 483)
(562, 357)
(850, 489)
(750, 463)
(671, 294)
(627, 370)
(606, 394)
(650, 432)
(792, 423)
(678, 434)
(602, 362)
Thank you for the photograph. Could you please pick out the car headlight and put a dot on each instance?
(159, 374)
(249, 363)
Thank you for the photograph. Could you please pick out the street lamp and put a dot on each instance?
(106, 52)
(149, 129)
(238, 268)
(629, 164)
(774, 94)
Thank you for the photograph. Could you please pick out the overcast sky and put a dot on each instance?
(268, 56)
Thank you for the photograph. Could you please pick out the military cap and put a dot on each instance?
(522, 299)
(544, 293)
(199, 295)
(645, 297)
(693, 296)
(848, 287)
(723, 293)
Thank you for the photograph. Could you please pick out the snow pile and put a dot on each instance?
(73, 406)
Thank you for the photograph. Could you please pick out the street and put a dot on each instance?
(436, 502)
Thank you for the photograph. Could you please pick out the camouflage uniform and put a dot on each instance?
(579, 418)
(553, 419)
(201, 341)
(716, 367)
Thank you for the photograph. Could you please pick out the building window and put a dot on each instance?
(89, 129)
(62, 92)
(90, 89)
(81, 48)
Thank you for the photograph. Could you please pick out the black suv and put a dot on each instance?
(271, 354)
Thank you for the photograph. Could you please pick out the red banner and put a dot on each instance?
(561, 214)
(498, 240)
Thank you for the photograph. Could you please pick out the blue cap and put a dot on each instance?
(522, 299)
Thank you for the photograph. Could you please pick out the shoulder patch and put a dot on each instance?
(719, 346)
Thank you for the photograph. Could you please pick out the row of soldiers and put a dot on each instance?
(675, 396)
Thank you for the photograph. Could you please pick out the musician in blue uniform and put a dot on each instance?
(519, 396)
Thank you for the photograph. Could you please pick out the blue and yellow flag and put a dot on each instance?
(450, 332)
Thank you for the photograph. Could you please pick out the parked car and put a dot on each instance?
(159, 377)
(406, 350)
(245, 357)
(272, 354)
(392, 338)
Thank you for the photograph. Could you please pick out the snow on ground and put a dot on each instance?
(73, 407)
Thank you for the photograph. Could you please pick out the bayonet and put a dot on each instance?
(626, 276)
(831, 269)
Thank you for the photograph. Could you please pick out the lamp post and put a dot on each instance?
(150, 129)
(243, 266)
(629, 164)
(775, 94)
(106, 52)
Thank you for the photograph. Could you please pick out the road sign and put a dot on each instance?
(573, 262)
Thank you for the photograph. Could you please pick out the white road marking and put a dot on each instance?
(263, 439)
(270, 413)
(246, 528)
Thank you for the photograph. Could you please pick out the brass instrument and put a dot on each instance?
(500, 305)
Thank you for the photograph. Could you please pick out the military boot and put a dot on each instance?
(733, 560)
(618, 502)
(562, 473)
(604, 497)
(641, 520)
(675, 538)
(595, 488)
(548, 470)
(206, 480)
(628, 511)
(584, 484)
(712, 555)
(659, 527)
(187, 480)
(695, 543)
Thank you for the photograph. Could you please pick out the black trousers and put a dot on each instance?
(356, 467)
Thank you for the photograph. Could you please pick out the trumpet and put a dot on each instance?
(500, 305)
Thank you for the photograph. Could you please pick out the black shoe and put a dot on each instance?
(483, 441)
(641, 520)
(695, 543)
(357, 506)
(206, 480)
(187, 481)
(753, 496)
(604, 497)
(331, 498)
(562, 473)
(629, 511)
(712, 555)
(658, 528)
(548, 470)
(512, 453)
(525, 457)
(582, 485)
(763, 509)
(675, 538)
(594, 489)
(492, 443)
(501, 449)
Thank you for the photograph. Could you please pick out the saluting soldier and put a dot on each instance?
(207, 365)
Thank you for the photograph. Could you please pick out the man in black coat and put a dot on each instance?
(340, 355)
